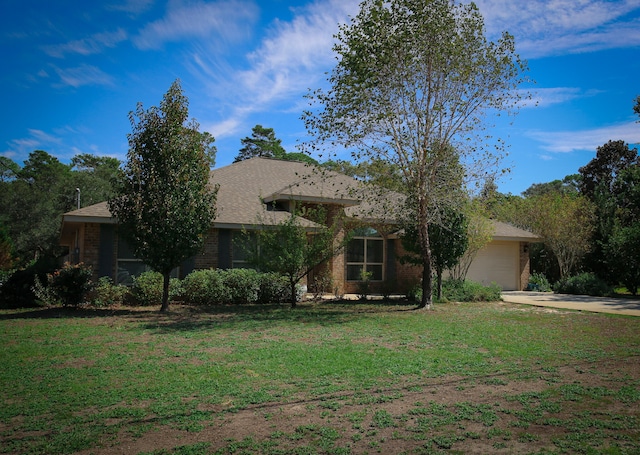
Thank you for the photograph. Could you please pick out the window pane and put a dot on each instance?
(376, 271)
(354, 272)
(355, 250)
(243, 244)
(127, 270)
(375, 252)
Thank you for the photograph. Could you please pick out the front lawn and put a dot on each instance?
(324, 378)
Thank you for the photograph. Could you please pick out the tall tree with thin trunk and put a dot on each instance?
(165, 203)
(414, 80)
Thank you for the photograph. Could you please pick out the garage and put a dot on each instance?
(498, 262)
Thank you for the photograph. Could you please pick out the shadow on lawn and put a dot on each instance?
(186, 317)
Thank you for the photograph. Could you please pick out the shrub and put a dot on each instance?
(204, 287)
(17, 289)
(66, 286)
(147, 288)
(105, 293)
(243, 285)
(538, 282)
(469, 291)
(583, 284)
(460, 291)
(274, 288)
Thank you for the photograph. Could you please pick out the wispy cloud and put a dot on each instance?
(545, 97)
(83, 75)
(36, 139)
(570, 141)
(227, 20)
(553, 27)
(291, 58)
(87, 46)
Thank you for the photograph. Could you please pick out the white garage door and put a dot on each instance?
(498, 262)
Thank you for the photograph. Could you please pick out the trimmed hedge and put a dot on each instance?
(234, 286)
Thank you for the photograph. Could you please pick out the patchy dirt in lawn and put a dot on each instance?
(570, 408)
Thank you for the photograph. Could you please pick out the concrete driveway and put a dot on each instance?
(574, 302)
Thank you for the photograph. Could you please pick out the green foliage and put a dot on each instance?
(204, 287)
(263, 143)
(583, 284)
(17, 289)
(383, 102)
(70, 283)
(292, 249)
(105, 293)
(623, 254)
(538, 282)
(243, 285)
(234, 286)
(454, 290)
(147, 288)
(164, 203)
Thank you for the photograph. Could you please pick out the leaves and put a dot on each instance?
(164, 203)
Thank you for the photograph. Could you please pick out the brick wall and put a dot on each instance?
(208, 257)
(89, 244)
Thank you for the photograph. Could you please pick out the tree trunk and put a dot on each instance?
(165, 292)
(293, 294)
(425, 247)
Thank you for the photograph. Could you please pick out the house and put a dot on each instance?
(258, 192)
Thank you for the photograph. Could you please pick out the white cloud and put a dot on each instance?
(83, 75)
(545, 97)
(229, 20)
(35, 140)
(291, 59)
(552, 27)
(87, 46)
(570, 141)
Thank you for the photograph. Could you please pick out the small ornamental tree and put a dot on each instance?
(292, 249)
(164, 202)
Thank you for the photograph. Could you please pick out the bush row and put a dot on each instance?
(71, 285)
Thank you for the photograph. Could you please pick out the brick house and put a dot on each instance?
(259, 192)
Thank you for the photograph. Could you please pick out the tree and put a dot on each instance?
(623, 251)
(568, 185)
(599, 178)
(37, 194)
(164, 202)
(480, 231)
(416, 79)
(600, 173)
(8, 169)
(94, 176)
(289, 249)
(263, 142)
(636, 107)
(449, 242)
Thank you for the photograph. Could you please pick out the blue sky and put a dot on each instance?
(73, 70)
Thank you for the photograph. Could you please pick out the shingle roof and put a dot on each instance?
(244, 186)
(504, 231)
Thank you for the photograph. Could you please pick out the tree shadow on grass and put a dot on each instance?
(259, 316)
(187, 317)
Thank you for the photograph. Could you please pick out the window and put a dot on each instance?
(243, 244)
(365, 253)
(129, 267)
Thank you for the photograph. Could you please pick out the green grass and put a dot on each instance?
(86, 380)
